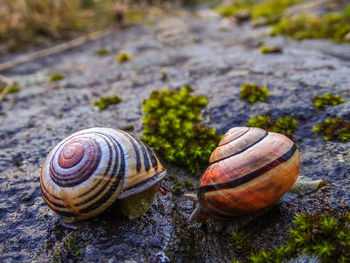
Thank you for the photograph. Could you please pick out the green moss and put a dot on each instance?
(134, 16)
(334, 129)
(172, 127)
(164, 75)
(270, 49)
(272, 10)
(263, 121)
(56, 77)
(12, 89)
(179, 186)
(284, 125)
(333, 26)
(103, 52)
(253, 93)
(327, 99)
(70, 250)
(324, 236)
(227, 11)
(123, 57)
(238, 239)
(104, 102)
(189, 184)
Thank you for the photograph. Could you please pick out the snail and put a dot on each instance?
(249, 170)
(88, 171)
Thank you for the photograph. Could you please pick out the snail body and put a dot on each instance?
(249, 170)
(90, 170)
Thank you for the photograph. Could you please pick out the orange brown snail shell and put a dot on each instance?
(249, 170)
(88, 171)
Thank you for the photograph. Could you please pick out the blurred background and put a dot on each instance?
(28, 23)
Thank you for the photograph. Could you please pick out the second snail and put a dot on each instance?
(249, 170)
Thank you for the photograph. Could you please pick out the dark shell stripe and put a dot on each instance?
(69, 178)
(146, 184)
(137, 153)
(246, 148)
(53, 205)
(117, 157)
(147, 153)
(250, 176)
(48, 195)
(145, 157)
(47, 192)
(154, 178)
(103, 179)
(228, 137)
(152, 157)
(59, 212)
(47, 199)
(115, 184)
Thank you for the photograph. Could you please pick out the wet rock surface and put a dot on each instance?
(216, 61)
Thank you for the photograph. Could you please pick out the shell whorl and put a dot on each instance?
(250, 169)
(75, 161)
(86, 172)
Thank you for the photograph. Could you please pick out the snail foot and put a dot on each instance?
(304, 185)
(67, 225)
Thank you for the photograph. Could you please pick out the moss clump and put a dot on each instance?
(333, 26)
(284, 125)
(270, 49)
(334, 129)
(327, 99)
(123, 57)
(104, 102)
(70, 250)
(134, 16)
(164, 75)
(253, 93)
(323, 236)
(271, 10)
(179, 186)
(172, 127)
(56, 77)
(12, 89)
(230, 10)
(103, 52)
(189, 184)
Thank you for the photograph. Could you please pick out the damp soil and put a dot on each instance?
(216, 60)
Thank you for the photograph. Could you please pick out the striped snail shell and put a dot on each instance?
(249, 170)
(88, 171)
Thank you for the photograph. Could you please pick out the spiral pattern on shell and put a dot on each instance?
(250, 170)
(86, 172)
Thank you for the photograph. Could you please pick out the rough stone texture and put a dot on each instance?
(216, 60)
